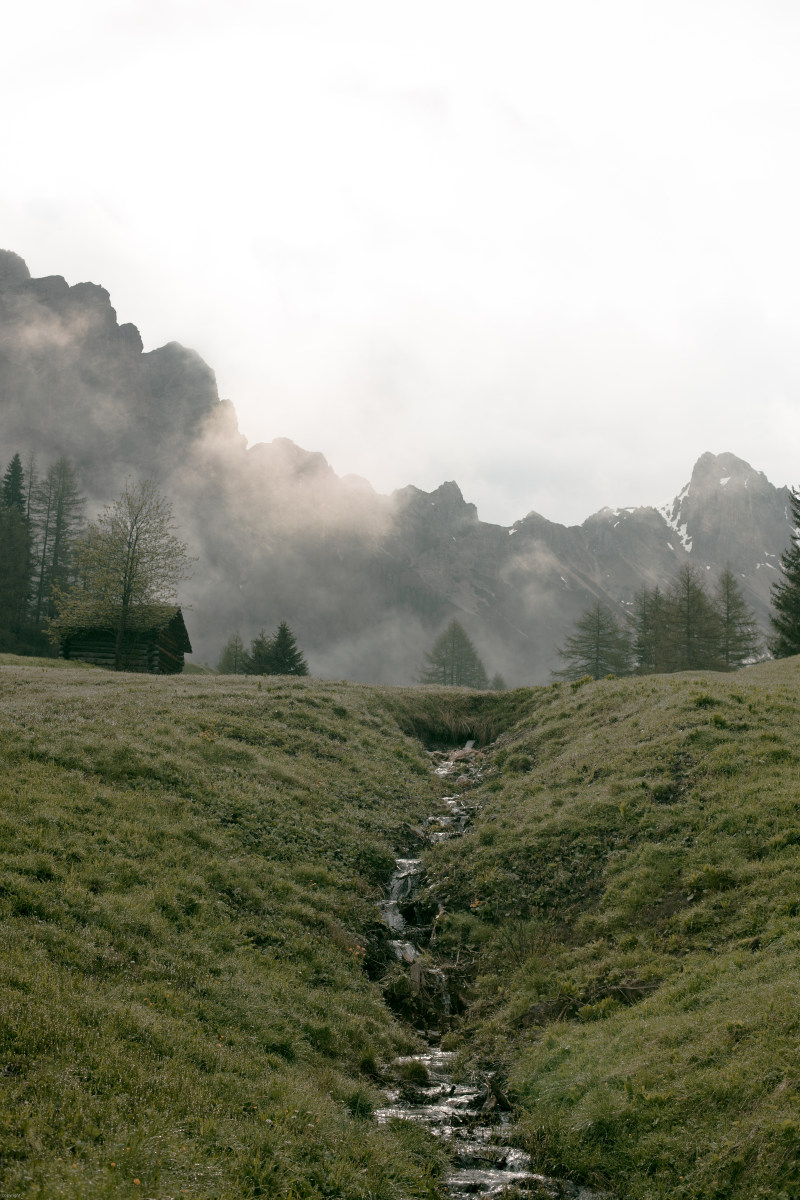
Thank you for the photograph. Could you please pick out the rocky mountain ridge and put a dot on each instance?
(365, 580)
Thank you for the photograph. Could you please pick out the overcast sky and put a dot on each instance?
(549, 250)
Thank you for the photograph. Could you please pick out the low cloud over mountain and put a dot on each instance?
(365, 580)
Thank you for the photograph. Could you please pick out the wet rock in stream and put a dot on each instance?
(470, 1120)
(475, 1120)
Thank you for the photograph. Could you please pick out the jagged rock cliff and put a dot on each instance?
(365, 580)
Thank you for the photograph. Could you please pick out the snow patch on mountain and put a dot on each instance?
(673, 514)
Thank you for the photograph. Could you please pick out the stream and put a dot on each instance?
(474, 1120)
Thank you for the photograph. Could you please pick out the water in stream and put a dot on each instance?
(474, 1120)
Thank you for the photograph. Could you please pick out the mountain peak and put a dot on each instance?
(13, 269)
(712, 471)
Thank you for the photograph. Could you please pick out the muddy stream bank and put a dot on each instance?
(473, 1118)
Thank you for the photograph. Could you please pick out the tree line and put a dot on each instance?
(42, 516)
(685, 628)
(275, 655)
(60, 574)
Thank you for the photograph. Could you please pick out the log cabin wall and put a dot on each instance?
(154, 653)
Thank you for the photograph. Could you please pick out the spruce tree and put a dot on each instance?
(14, 485)
(15, 555)
(739, 637)
(15, 573)
(785, 617)
(453, 661)
(276, 655)
(287, 658)
(599, 646)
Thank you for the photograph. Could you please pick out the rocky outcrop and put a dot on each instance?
(74, 381)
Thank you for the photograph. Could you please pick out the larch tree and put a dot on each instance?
(785, 616)
(598, 646)
(234, 657)
(31, 482)
(259, 657)
(650, 632)
(739, 639)
(453, 661)
(693, 624)
(129, 567)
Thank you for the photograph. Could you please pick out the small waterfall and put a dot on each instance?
(473, 1119)
(402, 885)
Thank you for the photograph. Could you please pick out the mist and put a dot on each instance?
(438, 242)
(365, 580)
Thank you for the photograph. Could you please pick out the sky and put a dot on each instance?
(551, 251)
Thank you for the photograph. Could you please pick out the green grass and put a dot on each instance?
(627, 908)
(191, 960)
(189, 869)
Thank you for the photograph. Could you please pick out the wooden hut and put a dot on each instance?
(156, 644)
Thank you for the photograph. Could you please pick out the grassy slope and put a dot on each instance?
(186, 894)
(188, 870)
(628, 902)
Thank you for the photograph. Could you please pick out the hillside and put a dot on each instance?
(187, 892)
(195, 982)
(624, 912)
(366, 581)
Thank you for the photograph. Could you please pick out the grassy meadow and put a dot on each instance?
(191, 964)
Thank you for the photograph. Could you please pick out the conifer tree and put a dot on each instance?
(276, 655)
(739, 637)
(15, 572)
(287, 658)
(31, 482)
(599, 646)
(15, 554)
(259, 657)
(453, 661)
(650, 632)
(693, 624)
(497, 683)
(58, 512)
(785, 617)
(234, 657)
(13, 493)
